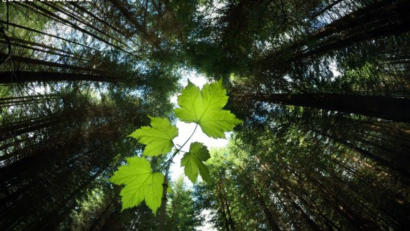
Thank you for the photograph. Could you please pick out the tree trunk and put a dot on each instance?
(374, 21)
(222, 206)
(140, 29)
(374, 106)
(271, 221)
(228, 211)
(396, 166)
(42, 11)
(46, 34)
(163, 209)
(26, 76)
(121, 30)
(38, 62)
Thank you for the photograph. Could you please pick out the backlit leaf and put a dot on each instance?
(204, 107)
(193, 162)
(140, 184)
(158, 137)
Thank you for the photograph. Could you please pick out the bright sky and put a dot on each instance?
(185, 130)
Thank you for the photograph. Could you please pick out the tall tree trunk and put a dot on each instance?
(226, 202)
(38, 62)
(46, 34)
(50, 219)
(328, 7)
(140, 29)
(396, 166)
(26, 76)
(222, 206)
(163, 209)
(21, 128)
(121, 30)
(45, 12)
(374, 21)
(269, 217)
(374, 106)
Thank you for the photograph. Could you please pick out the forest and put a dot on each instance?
(312, 96)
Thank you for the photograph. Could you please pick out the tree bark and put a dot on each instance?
(46, 34)
(38, 62)
(226, 204)
(382, 18)
(45, 12)
(271, 221)
(121, 30)
(163, 209)
(140, 29)
(26, 76)
(374, 106)
(222, 207)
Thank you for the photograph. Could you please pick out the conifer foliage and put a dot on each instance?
(318, 93)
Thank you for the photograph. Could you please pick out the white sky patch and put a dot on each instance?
(211, 10)
(207, 225)
(41, 89)
(334, 69)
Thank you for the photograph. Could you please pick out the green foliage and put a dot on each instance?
(204, 107)
(304, 168)
(140, 184)
(194, 162)
(182, 211)
(92, 205)
(158, 137)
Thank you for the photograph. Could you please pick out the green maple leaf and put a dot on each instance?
(204, 107)
(158, 137)
(193, 162)
(140, 184)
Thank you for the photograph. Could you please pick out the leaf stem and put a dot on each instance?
(179, 149)
(196, 126)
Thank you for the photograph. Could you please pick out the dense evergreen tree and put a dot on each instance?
(292, 181)
(183, 213)
(322, 87)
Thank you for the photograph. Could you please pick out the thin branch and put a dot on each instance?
(179, 150)
(163, 209)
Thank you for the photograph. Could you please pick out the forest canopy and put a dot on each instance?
(315, 96)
